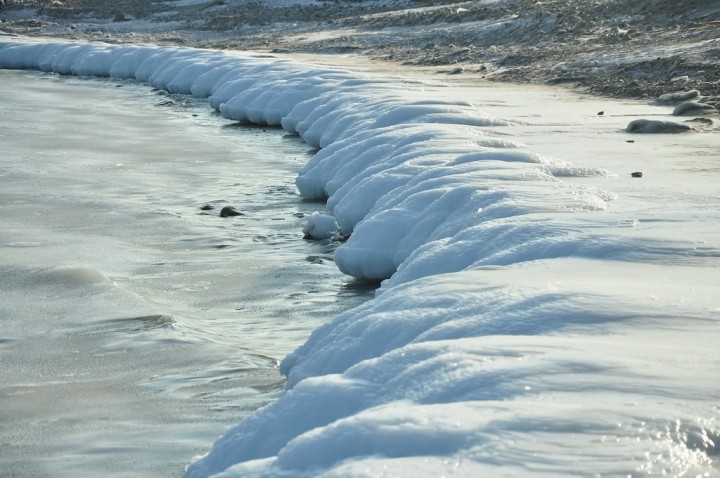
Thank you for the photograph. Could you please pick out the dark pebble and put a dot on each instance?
(636, 174)
(315, 260)
(207, 207)
(229, 211)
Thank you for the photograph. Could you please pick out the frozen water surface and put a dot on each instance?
(136, 327)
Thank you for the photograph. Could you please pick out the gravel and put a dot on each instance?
(615, 48)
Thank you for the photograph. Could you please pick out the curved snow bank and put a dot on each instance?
(487, 373)
(398, 172)
(523, 329)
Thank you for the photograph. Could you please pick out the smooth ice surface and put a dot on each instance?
(541, 311)
(135, 327)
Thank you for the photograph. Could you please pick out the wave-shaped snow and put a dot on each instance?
(385, 158)
(516, 332)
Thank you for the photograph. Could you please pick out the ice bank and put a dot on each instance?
(520, 330)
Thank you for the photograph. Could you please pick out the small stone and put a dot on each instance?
(680, 79)
(314, 259)
(207, 207)
(229, 211)
(678, 96)
(656, 126)
(636, 174)
(692, 108)
(600, 113)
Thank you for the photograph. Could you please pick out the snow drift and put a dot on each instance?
(515, 333)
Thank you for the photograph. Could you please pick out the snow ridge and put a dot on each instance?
(382, 155)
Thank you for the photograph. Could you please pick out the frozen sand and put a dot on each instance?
(572, 333)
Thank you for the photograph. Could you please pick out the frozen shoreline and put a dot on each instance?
(136, 326)
(533, 356)
(611, 48)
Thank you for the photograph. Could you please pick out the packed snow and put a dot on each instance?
(521, 329)
(320, 226)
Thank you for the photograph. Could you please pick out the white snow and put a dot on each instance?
(320, 226)
(532, 323)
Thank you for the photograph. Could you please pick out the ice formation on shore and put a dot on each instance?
(516, 333)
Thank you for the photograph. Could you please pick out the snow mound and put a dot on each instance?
(397, 173)
(320, 226)
(480, 373)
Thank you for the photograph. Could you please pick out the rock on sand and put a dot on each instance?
(692, 108)
(656, 126)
